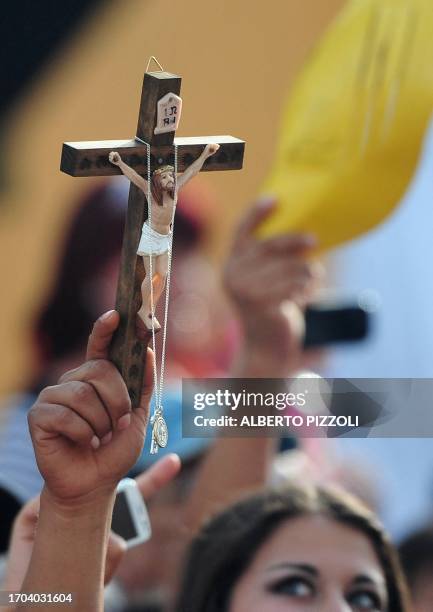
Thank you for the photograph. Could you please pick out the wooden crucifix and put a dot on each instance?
(91, 158)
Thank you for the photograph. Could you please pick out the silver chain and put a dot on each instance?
(160, 387)
(167, 286)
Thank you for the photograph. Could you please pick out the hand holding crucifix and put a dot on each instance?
(155, 237)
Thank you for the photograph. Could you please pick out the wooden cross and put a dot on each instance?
(91, 159)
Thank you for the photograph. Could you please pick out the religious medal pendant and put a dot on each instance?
(159, 431)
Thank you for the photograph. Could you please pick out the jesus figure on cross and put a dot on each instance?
(155, 240)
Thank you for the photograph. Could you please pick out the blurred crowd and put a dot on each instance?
(238, 524)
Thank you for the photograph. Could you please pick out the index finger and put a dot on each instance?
(102, 333)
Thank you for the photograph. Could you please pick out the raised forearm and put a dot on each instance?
(231, 468)
(193, 169)
(132, 175)
(253, 361)
(69, 552)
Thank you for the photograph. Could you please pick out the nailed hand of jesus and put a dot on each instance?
(114, 158)
(211, 149)
(85, 435)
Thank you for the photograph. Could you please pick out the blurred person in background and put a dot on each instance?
(416, 554)
(293, 549)
(148, 483)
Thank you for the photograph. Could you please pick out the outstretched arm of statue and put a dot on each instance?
(196, 166)
(131, 174)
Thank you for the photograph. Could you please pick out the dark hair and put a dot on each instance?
(225, 547)
(416, 555)
(93, 238)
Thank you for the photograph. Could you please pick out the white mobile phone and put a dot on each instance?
(130, 517)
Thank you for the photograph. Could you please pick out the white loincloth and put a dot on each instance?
(152, 242)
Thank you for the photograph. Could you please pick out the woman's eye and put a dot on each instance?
(293, 587)
(364, 600)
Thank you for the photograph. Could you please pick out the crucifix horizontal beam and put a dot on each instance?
(91, 158)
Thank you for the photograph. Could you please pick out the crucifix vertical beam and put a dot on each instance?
(127, 348)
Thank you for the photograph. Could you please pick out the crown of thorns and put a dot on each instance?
(163, 169)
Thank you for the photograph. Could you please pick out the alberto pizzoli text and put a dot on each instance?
(278, 420)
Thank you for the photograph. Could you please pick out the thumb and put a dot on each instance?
(148, 380)
(102, 333)
(158, 475)
(258, 213)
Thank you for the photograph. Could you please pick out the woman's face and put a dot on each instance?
(312, 563)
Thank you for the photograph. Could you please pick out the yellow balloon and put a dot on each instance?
(354, 123)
